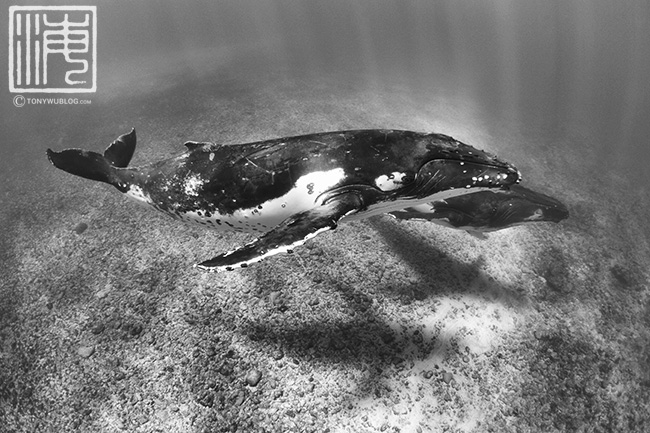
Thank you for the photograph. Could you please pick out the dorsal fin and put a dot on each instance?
(120, 152)
(206, 145)
(191, 145)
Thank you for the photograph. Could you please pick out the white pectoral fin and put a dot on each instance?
(423, 212)
(291, 233)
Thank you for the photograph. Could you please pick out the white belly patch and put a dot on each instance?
(262, 218)
(136, 193)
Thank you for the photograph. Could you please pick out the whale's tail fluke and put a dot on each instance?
(95, 166)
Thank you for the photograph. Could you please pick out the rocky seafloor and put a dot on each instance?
(378, 326)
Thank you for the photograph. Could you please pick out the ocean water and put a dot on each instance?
(543, 327)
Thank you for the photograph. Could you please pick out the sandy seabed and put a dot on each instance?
(379, 326)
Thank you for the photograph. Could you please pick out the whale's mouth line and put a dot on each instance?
(488, 166)
(485, 165)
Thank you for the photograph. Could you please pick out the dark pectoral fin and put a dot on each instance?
(292, 232)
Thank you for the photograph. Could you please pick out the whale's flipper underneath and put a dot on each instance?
(292, 232)
(94, 166)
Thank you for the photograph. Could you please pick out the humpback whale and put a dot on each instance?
(487, 211)
(288, 190)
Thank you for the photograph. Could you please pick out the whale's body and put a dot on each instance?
(487, 211)
(291, 189)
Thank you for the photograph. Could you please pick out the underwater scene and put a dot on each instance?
(325, 216)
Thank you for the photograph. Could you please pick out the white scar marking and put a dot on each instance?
(537, 215)
(391, 181)
(135, 192)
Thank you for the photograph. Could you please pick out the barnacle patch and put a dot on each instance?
(192, 185)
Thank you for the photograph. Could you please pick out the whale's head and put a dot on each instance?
(458, 169)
